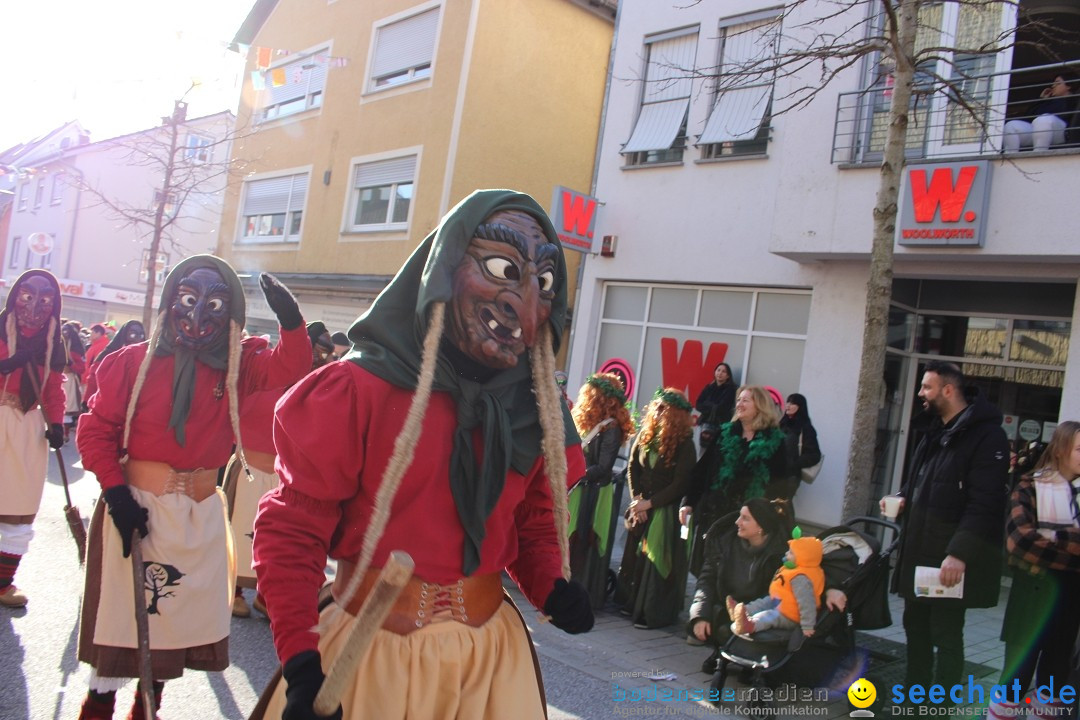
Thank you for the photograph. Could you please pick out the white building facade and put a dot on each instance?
(742, 235)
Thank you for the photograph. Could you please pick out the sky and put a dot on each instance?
(116, 66)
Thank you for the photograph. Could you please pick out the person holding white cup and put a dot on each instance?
(891, 506)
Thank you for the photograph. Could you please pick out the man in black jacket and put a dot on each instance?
(952, 506)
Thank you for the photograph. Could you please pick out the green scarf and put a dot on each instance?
(215, 355)
(754, 456)
(388, 342)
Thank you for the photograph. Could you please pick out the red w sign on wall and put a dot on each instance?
(688, 370)
(574, 216)
(944, 204)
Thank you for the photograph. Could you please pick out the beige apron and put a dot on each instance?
(189, 577)
(246, 496)
(24, 457)
(73, 393)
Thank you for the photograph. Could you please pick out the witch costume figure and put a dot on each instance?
(163, 421)
(130, 333)
(448, 441)
(32, 361)
(604, 423)
(652, 578)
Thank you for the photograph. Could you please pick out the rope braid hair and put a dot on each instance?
(550, 405)
(12, 339)
(232, 384)
(404, 447)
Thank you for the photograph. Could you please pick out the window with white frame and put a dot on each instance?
(169, 200)
(273, 209)
(659, 134)
(295, 85)
(16, 250)
(198, 148)
(382, 194)
(24, 194)
(404, 50)
(39, 192)
(34, 260)
(161, 267)
(739, 121)
(57, 193)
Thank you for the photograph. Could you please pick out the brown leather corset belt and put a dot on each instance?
(470, 601)
(160, 479)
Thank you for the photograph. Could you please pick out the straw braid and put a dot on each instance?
(12, 337)
(49, 341)
(404, 446)
(232, 384)
(550, 406)
(140, 378)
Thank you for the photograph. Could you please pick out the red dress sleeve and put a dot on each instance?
(319, 462)
(279, 367)
(101, 430)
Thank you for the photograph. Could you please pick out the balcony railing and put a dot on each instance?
(965, 120)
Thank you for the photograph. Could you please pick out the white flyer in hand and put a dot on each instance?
(928, 584)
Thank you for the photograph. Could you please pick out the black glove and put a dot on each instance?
(17, 360)
(281, 302)
(569, 607)
(127, 514)
(304, 676)
(55, 436)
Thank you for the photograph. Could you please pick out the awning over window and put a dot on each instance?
(737, 115)
(657, 126)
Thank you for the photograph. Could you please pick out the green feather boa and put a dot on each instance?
(754, 456)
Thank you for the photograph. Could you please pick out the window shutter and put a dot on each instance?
(666, 95)
(657, 126)
(385, 172)
(302, 77)
(270, 196)
(405, 44)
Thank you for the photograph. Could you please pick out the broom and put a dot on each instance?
(71, 513)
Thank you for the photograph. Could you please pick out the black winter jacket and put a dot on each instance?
(955, 494)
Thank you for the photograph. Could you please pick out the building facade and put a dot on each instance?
(85, 212)
(364, 123)
(740, 231)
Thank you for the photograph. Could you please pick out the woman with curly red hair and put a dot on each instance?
(604, 423)
(652, 579)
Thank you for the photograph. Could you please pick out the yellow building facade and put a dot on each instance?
(362, 123)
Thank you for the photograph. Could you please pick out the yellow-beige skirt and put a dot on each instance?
(443, 671)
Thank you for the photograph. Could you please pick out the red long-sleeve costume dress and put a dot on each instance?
(209, 440)
(334, 433)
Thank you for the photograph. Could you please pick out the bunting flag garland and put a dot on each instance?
(266, 77)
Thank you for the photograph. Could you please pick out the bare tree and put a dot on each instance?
(193, 164)
(818, 41)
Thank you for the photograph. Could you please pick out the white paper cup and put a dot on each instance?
(892, 506)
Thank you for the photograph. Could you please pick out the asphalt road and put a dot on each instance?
(42, 680)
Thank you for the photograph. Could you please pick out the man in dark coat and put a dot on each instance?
(952, 510)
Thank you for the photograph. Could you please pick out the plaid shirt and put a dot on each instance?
(1030, 550)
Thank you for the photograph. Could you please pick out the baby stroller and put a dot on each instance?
(856, 562)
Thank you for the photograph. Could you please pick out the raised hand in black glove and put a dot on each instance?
(55, 436)
(304, 676)
(127, 514)
(569, 607)
(281, 301)
(17, 360)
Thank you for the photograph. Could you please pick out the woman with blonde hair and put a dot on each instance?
(750, 457)
(604, 423)
(652, 579)
(1043, 541)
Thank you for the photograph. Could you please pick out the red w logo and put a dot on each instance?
(577, 214)
(940, 192)
(687, 371)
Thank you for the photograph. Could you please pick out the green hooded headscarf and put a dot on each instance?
(388, 341)
(215, 355)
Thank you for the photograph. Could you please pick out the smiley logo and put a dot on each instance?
(862, 693)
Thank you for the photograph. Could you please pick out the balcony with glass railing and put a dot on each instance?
(965, 119)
